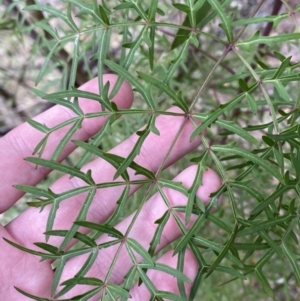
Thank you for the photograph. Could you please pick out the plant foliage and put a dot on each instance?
(238, 85)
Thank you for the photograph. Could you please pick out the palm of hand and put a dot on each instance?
(24, 270)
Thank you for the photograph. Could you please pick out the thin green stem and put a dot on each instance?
(258, 80)
(111, 267)
(206, 81)
(240, 33)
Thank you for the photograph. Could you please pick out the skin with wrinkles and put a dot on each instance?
(24, 270)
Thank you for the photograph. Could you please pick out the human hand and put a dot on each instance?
(23, 270)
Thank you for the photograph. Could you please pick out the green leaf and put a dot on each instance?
(174, 185)
(73, 71)
(282, 68)
(152, 47)
(182, 7)
(166, 269)
(158, 232)
(47, 247)
(249, 156)
(95, 141)
(124, 5)
(167, 296)
(224, 251)
(134, 152)
(275, 19)
(81, 216)
(74, 106)
(137, 247)
(147, 282)
(129, 280)
(119, 210)
(103, 15)
(193, 189)
(180, 268)
(36, 191)
(87, 9)
(201, 9)
(40, 127)
(260, 276)
(195, 227)
(272, 243)
(114, 160)
(44, 68)
(165, 88)
(8, 25)
(131, 79)
(281, 90)
(33, 252)
(66, 139)
(219, 222)
(197, 283)
(81, 237)
(83, 280)
(78, 93)
(127, 61)
(250, 246)
(226, 22)
(116, 289)
(252, 103)
(230, 271)
(100, 228)
(32, 296)
(293, 261)
(264, 225)
(60, 167)
(152, 10)
(243, 85)
(52, 11)
(216, 248)
(212, 117)
(271, 198)
(179, 59)
(232, 127)
(268, 40)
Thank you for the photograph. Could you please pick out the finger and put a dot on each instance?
(144, 228)
(22, 270)
(20, 142)
(166, 282)
(151, 156)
